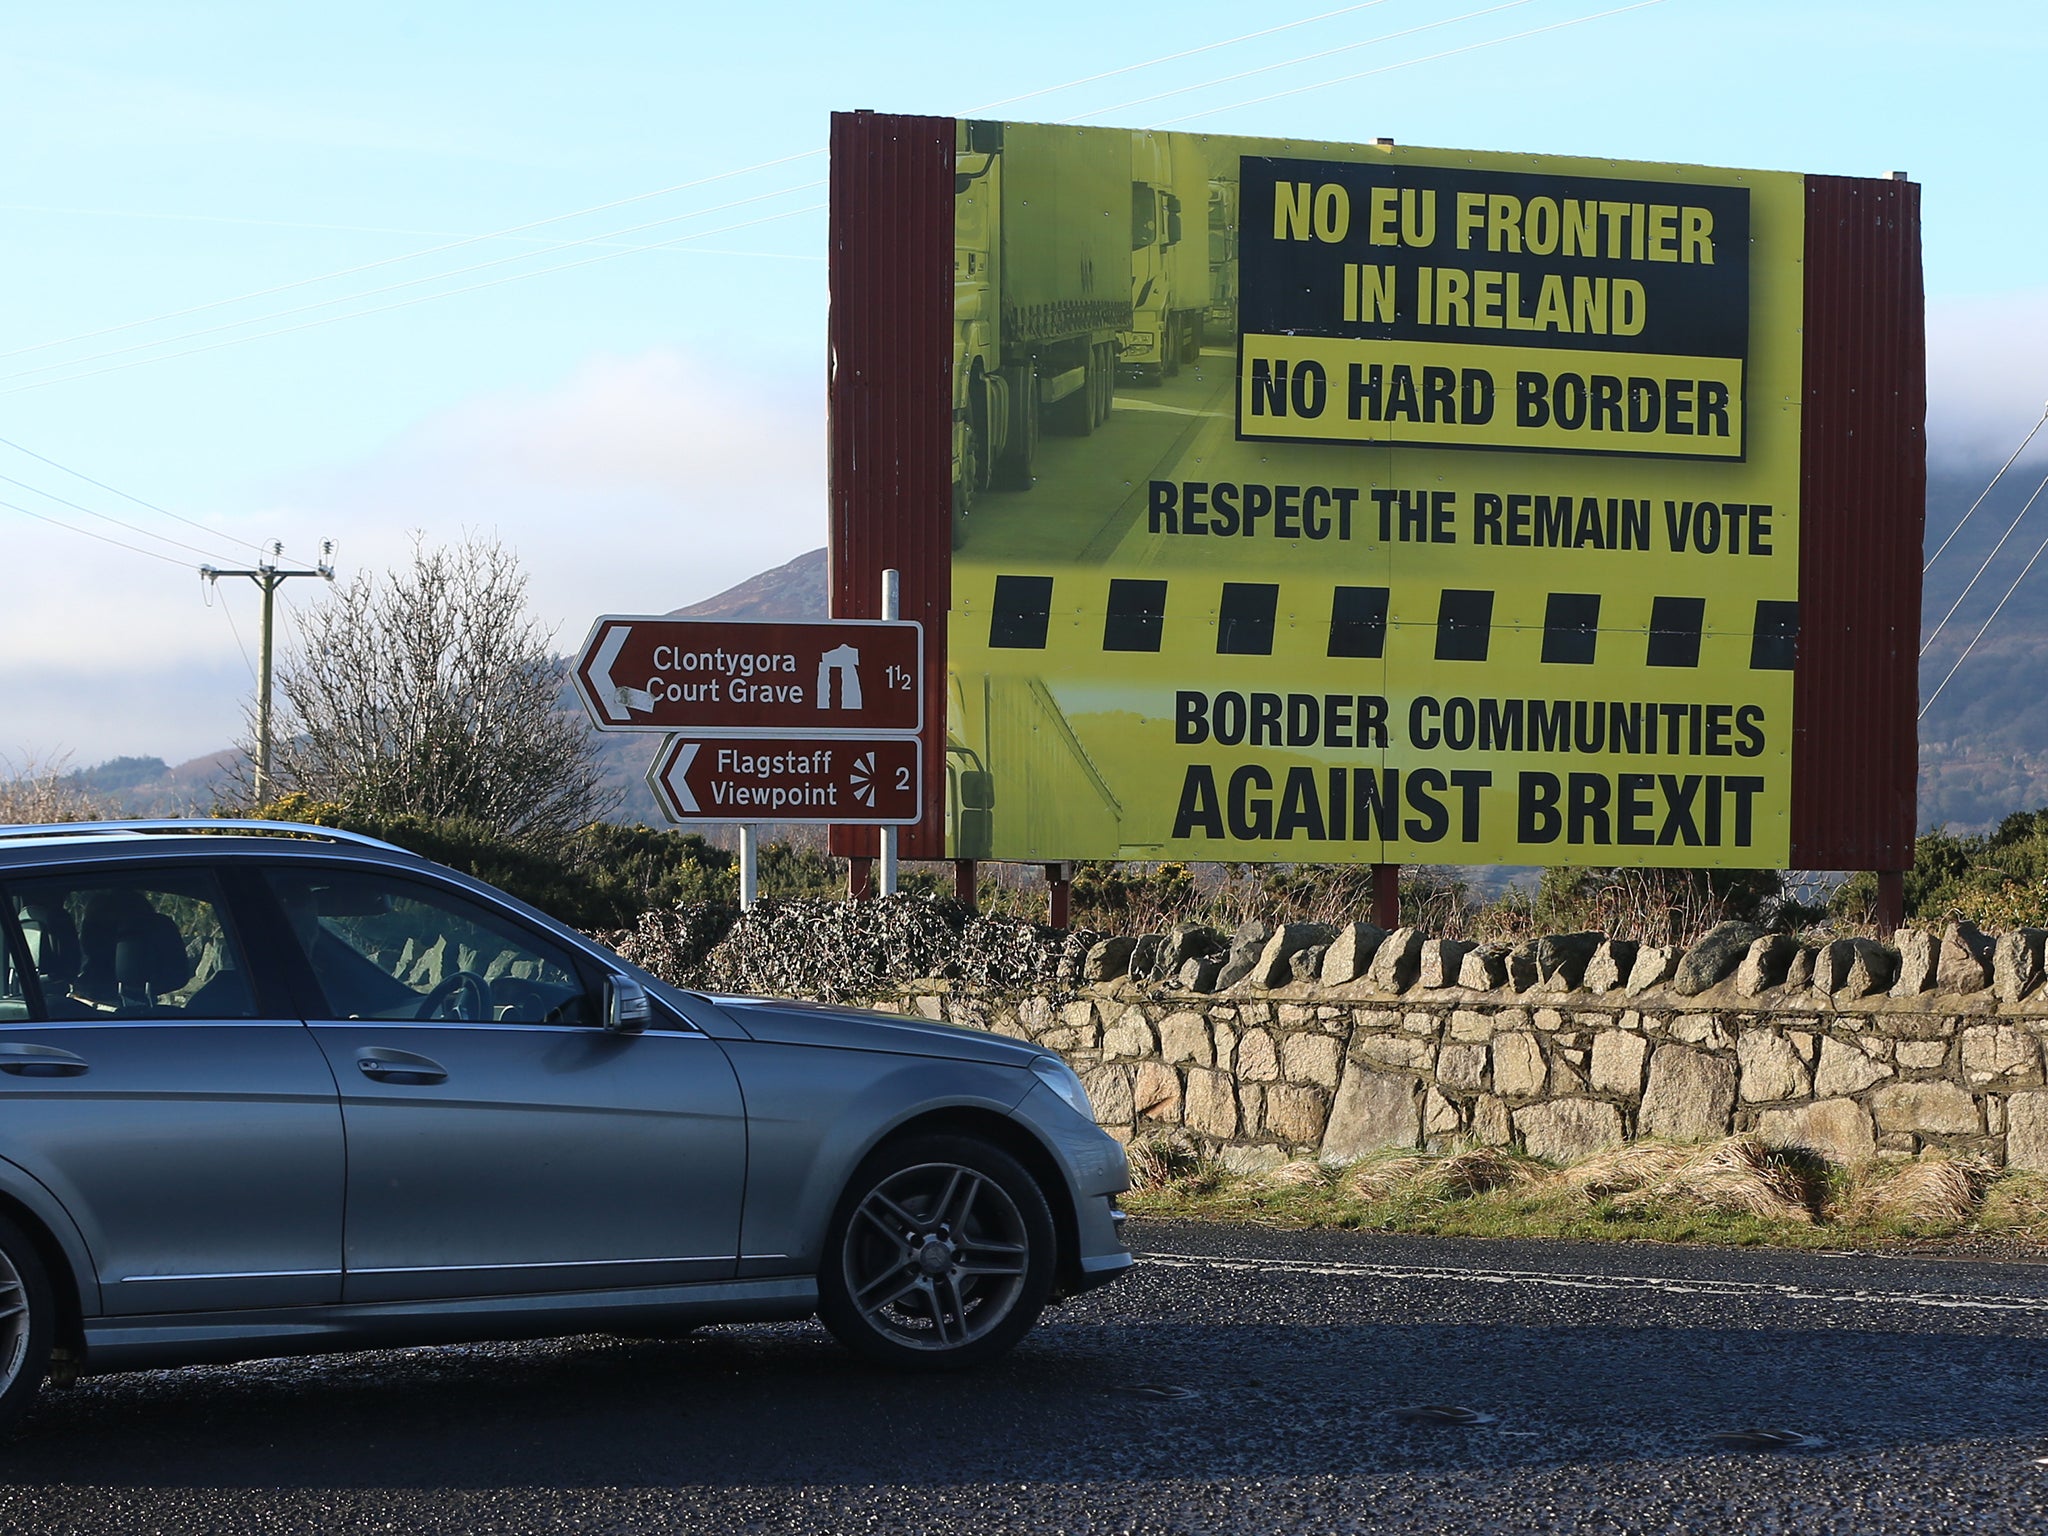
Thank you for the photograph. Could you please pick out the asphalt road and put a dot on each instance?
(1240, 1381)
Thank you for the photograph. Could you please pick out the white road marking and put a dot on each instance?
(1123, 404)
(1732, 1289)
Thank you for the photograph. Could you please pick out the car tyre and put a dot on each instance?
(940, 1255)
(27, 1316)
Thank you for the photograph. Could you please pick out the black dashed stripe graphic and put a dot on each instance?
(1134, 620)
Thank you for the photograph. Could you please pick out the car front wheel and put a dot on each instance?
(940, 1255)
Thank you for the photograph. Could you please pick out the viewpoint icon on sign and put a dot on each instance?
(843, 663)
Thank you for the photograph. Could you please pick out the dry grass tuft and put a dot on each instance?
(1158, 1161)
(1478, 1171)
(1742, 1176)
(1381, 1179)
(1623, 1169)
(1932, 1194)
(1302, 1173)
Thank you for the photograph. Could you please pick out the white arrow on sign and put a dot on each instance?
(617, 700)
(678, 777)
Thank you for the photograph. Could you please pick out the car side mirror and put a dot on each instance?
(627, 1007)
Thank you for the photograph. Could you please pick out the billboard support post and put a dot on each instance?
(1386, 896)
(1891, 901)
(1059, 903)
(860, 877)
(966, 887)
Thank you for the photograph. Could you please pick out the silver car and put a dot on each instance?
(269, 1089)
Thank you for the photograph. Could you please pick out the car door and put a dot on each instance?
(192, 1133)
(500, 1140)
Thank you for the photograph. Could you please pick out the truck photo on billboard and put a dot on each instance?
(1361, 503)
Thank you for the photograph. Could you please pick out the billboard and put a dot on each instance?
(1368, 503)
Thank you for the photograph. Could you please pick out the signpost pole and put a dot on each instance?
(748, 868)
(891, 601)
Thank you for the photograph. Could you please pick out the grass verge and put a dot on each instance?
(1738, 1192)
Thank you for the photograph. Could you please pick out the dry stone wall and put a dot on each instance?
(1313, 1041)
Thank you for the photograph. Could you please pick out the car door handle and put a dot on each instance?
(25, 1060)
(388, 1066)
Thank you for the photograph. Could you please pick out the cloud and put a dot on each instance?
(1987, 375)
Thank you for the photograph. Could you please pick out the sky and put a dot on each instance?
(364, 273)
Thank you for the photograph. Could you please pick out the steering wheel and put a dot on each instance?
(465, 995)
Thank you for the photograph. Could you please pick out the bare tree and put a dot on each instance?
(434, 693)
(34, 793)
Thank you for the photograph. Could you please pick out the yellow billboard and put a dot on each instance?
(1343, 502)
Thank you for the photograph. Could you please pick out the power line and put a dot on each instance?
(115, 491)
(1980, 633)
(106, 517)
(2008, 464)
(308, 325)
(1430, 58)
(1308, 58)
(58, 522)
(411, 282)
(2009, 532)
(435, 250)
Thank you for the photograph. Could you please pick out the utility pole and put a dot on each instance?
(269, 576)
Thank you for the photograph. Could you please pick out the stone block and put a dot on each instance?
(1518, 1068)
(1397, 962)
(1462, 1066)
(1109, 960)
(1964, 965)
(1617, 1067)
(1653, 967)
(1799, 974)
(1201, 974)
(1210, 1104)
(1690, 1096)
(1440, 1118)
(1441, 962)
(1484, 968)
(1918, 952)
(1295, 1114)
(1188, 941)
(1566, 1130)
(1257, 1059)
(1567, 1077)
(1610, 965)
(1999, 1053)
(1155, 1092)
(1561, 958)
(1873, 967)
(1109, 1090)
(1523, 971)
(1185, 1036)
(1310, 1058)
(1251, 1160)
(1130, 1035)
(1922, 1055)
(1717, 953)
(1702, 1029)
(1926, 1109)
(1844, 1070)
(2026, 1131)
(1836, 1129)
(1770, 1069)
(1470, 1024)
(1306, 964)
(1394, 1051)
(2016, 964)
(1491, 1126)
(1145, 956)
(1274, 966)
(1372, 1110)
(1764, 966)
(1350, 952)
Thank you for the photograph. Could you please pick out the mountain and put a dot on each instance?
(793, 591)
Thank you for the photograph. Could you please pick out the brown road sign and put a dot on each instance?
(873, 781)
(836, 677)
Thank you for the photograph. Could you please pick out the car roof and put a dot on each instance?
(70, 842)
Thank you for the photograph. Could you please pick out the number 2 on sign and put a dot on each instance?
(903, 778)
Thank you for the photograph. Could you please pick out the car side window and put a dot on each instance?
(123, 944)
(381, 946)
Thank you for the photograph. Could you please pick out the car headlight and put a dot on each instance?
(1062, 1080)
